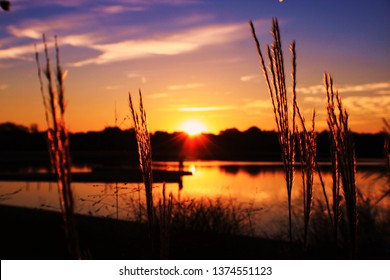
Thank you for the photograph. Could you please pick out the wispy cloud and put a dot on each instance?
(63, 24)
(205, 109)
(33, 33)
(170, 44)
(316, 89)
(19, 45)
(194, 18)
(117, 9)
(3, 86)
(380, 88)
(258, 104)
(75, 29)
(365, 87)
(112, 87)
(158, 95)
(19, 52)
(366, 111)
(25, 51)
(86, 3)
(120, 6)
(68, 3)
(185, 86)
(137, 76)
(249, 78)
(314, 99)
(78, 28)
(170, 2)
(367, 105)
(257, 107)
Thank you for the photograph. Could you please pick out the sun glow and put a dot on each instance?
(193, 127)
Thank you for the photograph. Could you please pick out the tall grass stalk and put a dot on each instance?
(343, 160)
(219, 215)
(165, 218)
(145, 154)
(58, 139)
(278, 91)
(307, 149)
(309, 164)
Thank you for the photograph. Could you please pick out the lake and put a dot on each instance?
(256, 189)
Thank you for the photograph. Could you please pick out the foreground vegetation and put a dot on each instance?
(342, 145)
(199, 229)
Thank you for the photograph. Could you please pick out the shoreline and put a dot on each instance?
(163, 173)
(35, 234)
(102, 176)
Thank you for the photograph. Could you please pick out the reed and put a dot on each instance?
(58, 140)
(343, 161)
(289, 133)
(309, 165)
(145, 154)
(307, 150)
(165, 219)
(219, 215)
(277, 90)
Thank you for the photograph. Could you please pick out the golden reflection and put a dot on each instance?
(192, 169)
(250, 186)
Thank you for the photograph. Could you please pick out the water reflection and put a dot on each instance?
(251, 170)
(256, 188)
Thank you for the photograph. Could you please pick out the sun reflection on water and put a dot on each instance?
(251, 187)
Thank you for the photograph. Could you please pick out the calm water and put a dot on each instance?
(256, 188)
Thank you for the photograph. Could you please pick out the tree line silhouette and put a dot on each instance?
(20, 145)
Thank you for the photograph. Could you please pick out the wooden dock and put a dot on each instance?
(110, 175)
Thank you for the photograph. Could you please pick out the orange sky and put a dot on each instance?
(194, 60)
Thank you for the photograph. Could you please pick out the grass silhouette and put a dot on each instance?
(277, 89)
(58, 140)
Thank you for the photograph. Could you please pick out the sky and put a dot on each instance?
(194, 60)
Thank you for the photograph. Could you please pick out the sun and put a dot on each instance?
(193, 127)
